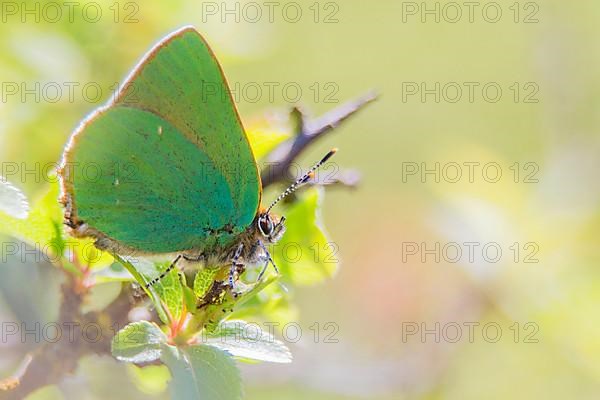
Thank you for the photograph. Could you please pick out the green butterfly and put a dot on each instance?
(166, 167)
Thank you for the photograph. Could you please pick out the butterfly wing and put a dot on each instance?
(167, 165)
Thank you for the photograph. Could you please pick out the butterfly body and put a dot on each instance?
(248, 242)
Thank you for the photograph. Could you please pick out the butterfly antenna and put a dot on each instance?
(302, 180)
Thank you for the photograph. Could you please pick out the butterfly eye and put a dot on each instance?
(265, 224)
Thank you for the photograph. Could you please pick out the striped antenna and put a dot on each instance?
(305, 178)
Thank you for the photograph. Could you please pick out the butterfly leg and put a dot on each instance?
(269, 261)
(164, 273)
(235, 264)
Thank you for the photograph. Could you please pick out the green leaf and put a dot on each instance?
(248, 341)
(12, 201)
(85, 253)
(169, 288)
(204, 280)
(151, 292)
(254, 289)
(268, 132)
(211, 315)
(189, 298)
(43, 229)
(114, 272)
(43, 226)
(202, 372)
(138, 342)
(304, 255)
(166, 294)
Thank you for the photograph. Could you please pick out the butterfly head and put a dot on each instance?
(270, 227)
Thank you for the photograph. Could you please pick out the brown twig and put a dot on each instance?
(51, 362)
(308, 131)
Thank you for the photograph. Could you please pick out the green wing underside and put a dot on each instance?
(141, 191)
(168, 166)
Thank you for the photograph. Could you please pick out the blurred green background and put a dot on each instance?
(543, 56)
